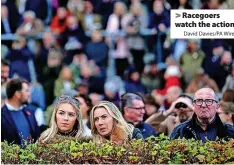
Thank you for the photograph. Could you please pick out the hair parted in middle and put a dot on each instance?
(119, 122)
(53, 130)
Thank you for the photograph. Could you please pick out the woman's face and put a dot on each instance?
(103, 122)
(67, 74)
(66, 117)
(83, 106)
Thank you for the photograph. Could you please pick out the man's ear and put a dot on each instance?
(217, 106)
(125, 110)
(17, 94)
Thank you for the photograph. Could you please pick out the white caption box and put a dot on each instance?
(185, 24)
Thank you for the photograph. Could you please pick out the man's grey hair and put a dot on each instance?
(30, 13)
(126, 100)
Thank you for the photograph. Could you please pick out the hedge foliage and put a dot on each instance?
(160, 150)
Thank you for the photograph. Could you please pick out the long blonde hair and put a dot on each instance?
(50, 133)
(117, 116)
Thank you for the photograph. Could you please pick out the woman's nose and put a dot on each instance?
(66, 117)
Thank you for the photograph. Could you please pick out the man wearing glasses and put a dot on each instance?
(133, 110)
(205, 123)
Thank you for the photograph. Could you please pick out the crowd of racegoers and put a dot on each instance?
(115, 51)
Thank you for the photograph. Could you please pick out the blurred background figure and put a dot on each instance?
(5, 69)
(85, 107)
(226, 112)
(31, 25)
(182, 110)
(200, 80)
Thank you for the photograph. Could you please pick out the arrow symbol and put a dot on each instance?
(177, 15)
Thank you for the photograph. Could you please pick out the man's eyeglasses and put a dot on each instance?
(208, 102)
(138, 108)
(66, 98)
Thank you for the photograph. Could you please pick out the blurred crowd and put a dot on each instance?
(102, 49)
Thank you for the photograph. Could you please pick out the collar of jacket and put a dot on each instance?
(221, 131)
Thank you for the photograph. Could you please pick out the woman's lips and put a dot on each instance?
(64, 124)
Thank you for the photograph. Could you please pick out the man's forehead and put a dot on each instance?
(205, 92)
(137, 102)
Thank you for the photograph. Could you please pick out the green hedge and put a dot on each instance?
(159, 151)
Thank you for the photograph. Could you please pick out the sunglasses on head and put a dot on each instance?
(65, 98)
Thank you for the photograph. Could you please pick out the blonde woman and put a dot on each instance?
(107, 123)
(66, 120)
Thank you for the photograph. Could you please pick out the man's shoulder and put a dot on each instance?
(146, 125)
(183, 125)
(4, 109)
(230, 129)
(178, 129)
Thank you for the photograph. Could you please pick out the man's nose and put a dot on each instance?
(203, 103)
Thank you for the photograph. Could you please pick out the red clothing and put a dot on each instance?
(58, 27)
(171, 81)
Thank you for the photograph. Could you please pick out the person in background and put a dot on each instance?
(5, 68)
(226, 112)
(115, 25)
(172, 78)
(31, 25)
(166, 108)
(50, 73)
(59, 22)
(229, 82)
(18, 123)
(152, 77)
(66, 120)
(65, 83)
(133, 83)
(111, 92)
(228, 95)
(151, 107)
(191, 59)
(133, 110)
(97, 49)
(200, 80)
(182, 4)
(96, 98)
(89, 20)
(21, 57)
(107, 123)
(205, 123)
(85, 107)
(136, 21)
(182, 109)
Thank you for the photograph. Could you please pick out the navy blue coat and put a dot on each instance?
(9, 131)
(186, 130)
(146, 130)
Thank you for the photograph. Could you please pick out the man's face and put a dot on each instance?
(205, 105)
(172, 94)
(183, 109)
(4, 73)
(136, 112)
(25, 94)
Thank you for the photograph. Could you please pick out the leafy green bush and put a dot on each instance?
(160, 150)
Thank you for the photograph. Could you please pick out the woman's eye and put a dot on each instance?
(61, 113)
(71, 115)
